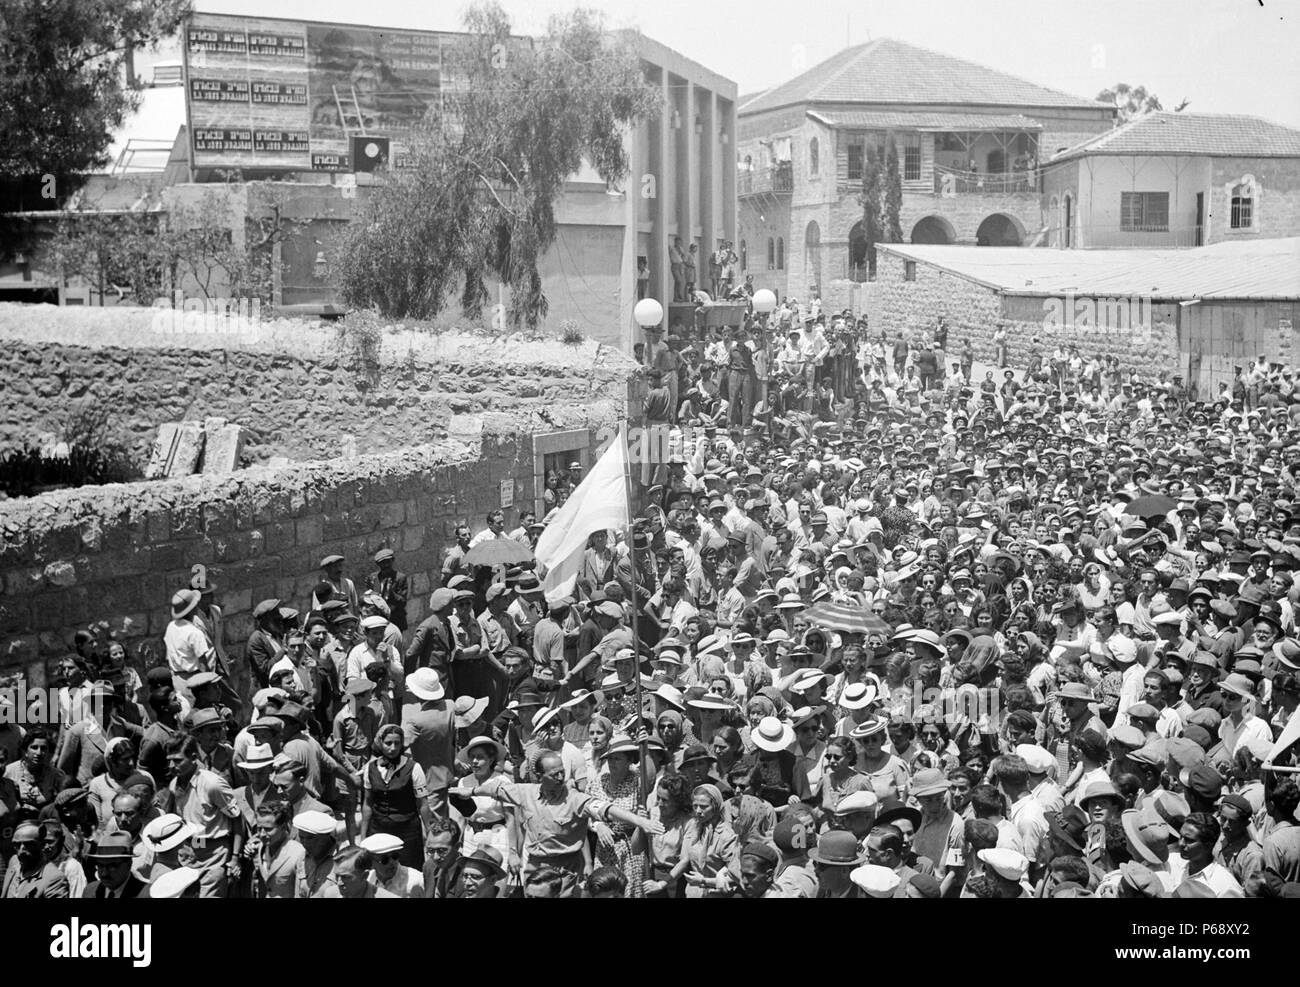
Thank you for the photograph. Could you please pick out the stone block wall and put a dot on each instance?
(974, 311)
(1277, 198)
(301, 390)
(896, 305)
(118, 553)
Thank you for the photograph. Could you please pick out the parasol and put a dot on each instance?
(1154, 505)
(498, 551)
(845, 617)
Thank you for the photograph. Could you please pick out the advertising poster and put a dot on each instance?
(288, 95)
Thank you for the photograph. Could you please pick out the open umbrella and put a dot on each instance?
(498, 551)
(1153, 505)
(845, 617)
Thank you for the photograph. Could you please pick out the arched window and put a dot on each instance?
(1243, 206)
(749, 162)
(1053, 211)
(812, 260)
(780, 253)
(771, 254)
(814, 157)
(744, 256)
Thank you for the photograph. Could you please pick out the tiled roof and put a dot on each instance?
(896, 120)
(1245, 269)
(1219, 134)
(890, 71)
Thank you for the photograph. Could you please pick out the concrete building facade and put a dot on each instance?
(1175, 180)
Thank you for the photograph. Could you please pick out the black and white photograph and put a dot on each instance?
(688, 450)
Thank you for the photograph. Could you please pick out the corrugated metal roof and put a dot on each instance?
(1248, 269)
(891, 71)
(1209, 134)
(884, 120)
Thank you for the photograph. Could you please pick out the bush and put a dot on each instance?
(570, 333)
(28, 471)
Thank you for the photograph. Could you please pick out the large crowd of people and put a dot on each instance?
(887, 625)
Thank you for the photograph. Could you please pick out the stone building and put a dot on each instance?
(969, 141)
(1175, 180)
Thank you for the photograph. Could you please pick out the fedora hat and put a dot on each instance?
(488, 858)
(167, 832)
(425, 684)
(112, 846)
(772, 734)
(838, 848)
(184, 602)
(257, 756)
(1147, 835)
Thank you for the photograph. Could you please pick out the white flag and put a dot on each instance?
(598, 503)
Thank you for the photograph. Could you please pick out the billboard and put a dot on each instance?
(289, 95)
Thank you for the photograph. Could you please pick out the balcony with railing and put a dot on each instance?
(1122, 237)
(775, 180)
(950, 182)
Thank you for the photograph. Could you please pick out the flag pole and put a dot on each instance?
(643, 758)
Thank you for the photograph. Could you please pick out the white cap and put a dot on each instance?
(1010, 864)
(382, 843)
(314, 822)
(174, 883)
(1039, 759)
(877, 881)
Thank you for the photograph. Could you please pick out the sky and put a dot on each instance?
(1223, 56)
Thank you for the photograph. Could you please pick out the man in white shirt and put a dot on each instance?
(188, 650)
(1026, 812)
(1203, 877)
(496, 528)
(1241, 726)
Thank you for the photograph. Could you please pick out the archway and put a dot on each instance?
(858, 253)
(1000, 230)
(933, 229)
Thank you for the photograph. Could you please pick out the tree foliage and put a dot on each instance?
(478, 200)
(871, 199)
(140, 256)
(63, 91)
(1133, 102)
(892, 204)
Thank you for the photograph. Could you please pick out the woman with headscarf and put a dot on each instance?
(675, 733)
(617, 843)
(709, 847)
(755, 710)
(396, 796)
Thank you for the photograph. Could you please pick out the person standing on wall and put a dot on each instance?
(677, 264)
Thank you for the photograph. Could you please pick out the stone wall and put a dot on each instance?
(974, 311)
(895, 305)
(118, 553)
(1277, 197)
(302, 390)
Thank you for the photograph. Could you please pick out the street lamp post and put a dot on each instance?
(764, 301)
(646, 313)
